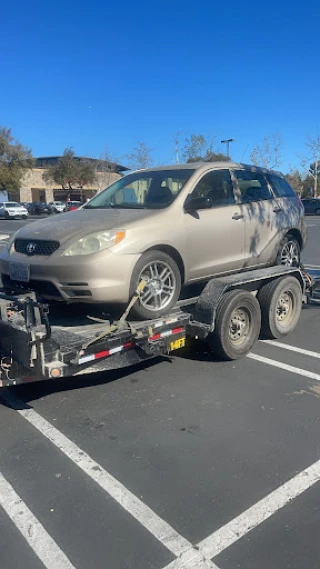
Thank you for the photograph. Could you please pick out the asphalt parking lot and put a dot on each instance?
(181, 463)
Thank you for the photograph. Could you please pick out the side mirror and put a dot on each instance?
(193, 204)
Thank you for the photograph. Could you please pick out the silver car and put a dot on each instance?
(165, 226)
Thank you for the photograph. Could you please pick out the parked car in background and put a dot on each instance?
(166, 226)
(71, 206)
(12, 210)
(57, 207)
(39, 208)
(311, 206)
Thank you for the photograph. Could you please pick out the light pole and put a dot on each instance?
(227, 142)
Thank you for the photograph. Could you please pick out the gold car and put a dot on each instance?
(168, 226)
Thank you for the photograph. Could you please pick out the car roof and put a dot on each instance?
(203, 166)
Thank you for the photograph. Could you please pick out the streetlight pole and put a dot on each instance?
(227, 142)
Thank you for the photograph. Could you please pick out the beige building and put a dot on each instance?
(35, 189)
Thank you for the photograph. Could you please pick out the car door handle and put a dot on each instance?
(277, 210)
(237, 216)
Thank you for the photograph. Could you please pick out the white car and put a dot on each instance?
(11, 210)
(58, 207)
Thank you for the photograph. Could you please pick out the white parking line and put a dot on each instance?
(192, 559)
(286, 367)
(160, 529)
(259, 512)
(292, 348)
(4, 236)
(34, 533)
(312, 266)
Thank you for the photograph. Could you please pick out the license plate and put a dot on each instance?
(19, 272)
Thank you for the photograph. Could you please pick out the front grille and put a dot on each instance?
(32, 247)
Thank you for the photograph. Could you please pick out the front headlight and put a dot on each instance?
(94, 243)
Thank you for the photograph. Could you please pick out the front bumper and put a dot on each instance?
(103, 277)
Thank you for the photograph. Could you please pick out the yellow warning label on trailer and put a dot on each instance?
(176, 344)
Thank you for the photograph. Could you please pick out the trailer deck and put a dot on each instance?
(71, 341)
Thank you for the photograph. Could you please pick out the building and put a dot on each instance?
(35, 189)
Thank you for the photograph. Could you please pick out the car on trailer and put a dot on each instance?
(168, 226)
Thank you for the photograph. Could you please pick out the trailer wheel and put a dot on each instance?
(237, 325)
(280, 302)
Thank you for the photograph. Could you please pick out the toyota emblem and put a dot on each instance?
(31, 247)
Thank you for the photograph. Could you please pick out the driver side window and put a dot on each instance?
(216, 185)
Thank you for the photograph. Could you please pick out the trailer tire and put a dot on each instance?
(150, 268)
(237, 325)
(280, 302)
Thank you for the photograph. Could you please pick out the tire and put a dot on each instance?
(289, 252)
(237, 307)
(24, 217)
(317, 212)
(160, 303)
(280, 302)
(6, 215)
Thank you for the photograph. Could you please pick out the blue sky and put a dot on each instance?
(96, 74)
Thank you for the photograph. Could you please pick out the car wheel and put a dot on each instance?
(289, 252)
(163, 285)
(280, 302)
(24, 217)
(6, 215)
(237, 325)
(317, 212)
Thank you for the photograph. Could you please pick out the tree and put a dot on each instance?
(14, 158)
(295, 180)
(194, 148)
(71, 172)
(105, 166)
(268, 153)
(199, 149)
(216, 157)
(177, 145)
(307, 187)
(140, 157)
(311, 163)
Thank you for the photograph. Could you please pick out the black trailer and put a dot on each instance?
(230, 314)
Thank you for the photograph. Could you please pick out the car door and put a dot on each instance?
(260, 210)
(215, 236)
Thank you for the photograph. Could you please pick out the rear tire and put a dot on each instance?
(280, 302)
(317, 212)
(237, 325)
(163, 285)
(289, 252)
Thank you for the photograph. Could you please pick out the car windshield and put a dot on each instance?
(142, 190)
(12, 204)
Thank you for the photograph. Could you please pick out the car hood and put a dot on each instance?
(82, 222)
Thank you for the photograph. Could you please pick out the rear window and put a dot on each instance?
(12, 204)
(280, 187)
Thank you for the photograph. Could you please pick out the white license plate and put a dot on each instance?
(19, 272)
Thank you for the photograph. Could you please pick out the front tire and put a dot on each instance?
(317, 212)
(289, 252)
(280, 302)
(237, 325)
(163, 285)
